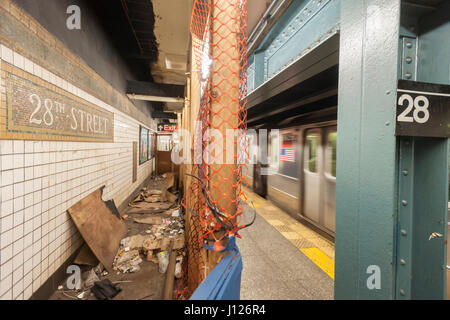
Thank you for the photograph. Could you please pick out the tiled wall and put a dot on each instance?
(41, 179)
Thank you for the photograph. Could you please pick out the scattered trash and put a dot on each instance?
(105, 290)
(99, 268)
(176, 213)
(171, 197)
(82, 295)
(125, 242)
(151, 227)
(156, 192)
(89, 278)
(178, 267)
(127, 261)
(163, 259)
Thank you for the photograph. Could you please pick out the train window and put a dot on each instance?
(331, 153)
(312, 143)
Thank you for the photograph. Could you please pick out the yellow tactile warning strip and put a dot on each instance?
(321, 259)
(314, 246)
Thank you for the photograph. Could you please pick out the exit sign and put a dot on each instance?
(423, 109)
(167, 127)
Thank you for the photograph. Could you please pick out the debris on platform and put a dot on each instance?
(155, 240)
(118, 243)
(127, 261)
(178, 267)
(89, 278)
(158, 209)
(163, 261)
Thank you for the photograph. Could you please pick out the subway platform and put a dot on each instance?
(282, 258)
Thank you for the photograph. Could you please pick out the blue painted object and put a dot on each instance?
(224, 281)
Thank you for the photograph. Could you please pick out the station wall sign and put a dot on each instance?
(167, 127)
(423, 109)
(37, 110)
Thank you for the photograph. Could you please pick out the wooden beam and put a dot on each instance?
(225, 82)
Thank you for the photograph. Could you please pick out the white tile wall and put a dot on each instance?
(39, 180)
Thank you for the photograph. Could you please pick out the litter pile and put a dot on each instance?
(159, 213)
(157, 239)
(150, 230)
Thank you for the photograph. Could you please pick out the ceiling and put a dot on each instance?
(172, 18)
(140, 16)
(172, 21)
(172, 33)
(255, 10)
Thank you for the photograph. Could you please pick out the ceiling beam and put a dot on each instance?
(155, 89)
(163, 115)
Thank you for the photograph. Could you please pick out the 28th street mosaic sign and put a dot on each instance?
(38, 110)
(423, 109)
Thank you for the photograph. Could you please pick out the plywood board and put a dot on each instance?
(99, 227)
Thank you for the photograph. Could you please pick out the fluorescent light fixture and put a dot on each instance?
(142, 97)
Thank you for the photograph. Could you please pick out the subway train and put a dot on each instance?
(297, 172)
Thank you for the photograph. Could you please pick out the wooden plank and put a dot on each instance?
(225, 83)
(170, 276)
(149, 220)
(98, 226)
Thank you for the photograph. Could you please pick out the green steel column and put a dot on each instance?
(423, 169)
(366, 163)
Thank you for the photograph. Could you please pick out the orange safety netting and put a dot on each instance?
(215, 198)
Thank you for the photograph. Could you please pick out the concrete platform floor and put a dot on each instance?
(283, 259)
